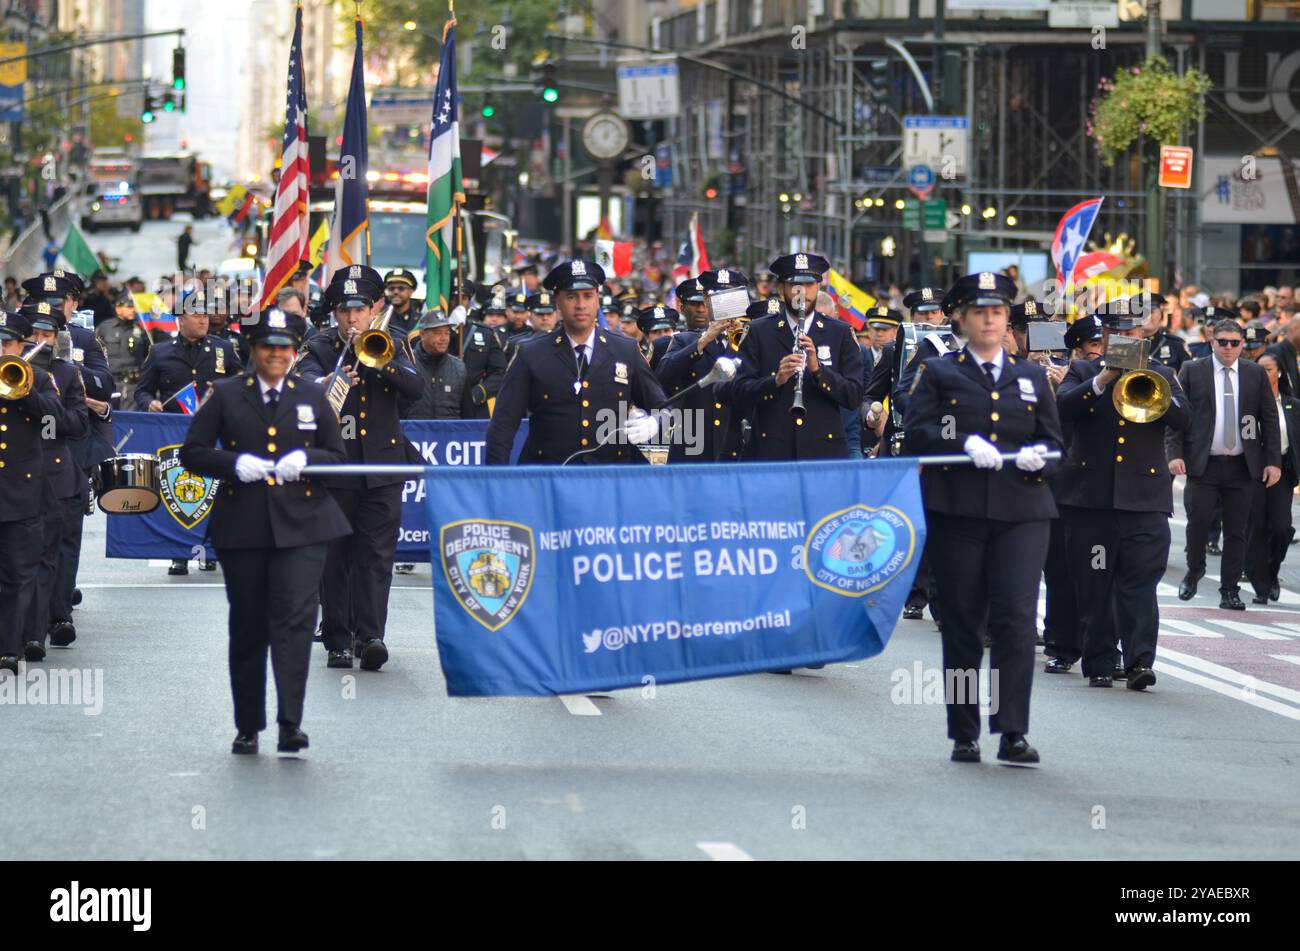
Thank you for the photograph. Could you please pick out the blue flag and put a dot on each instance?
(349, 232)
(550, 580)
(188, 400)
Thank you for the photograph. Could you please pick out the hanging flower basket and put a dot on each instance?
(1150, 100)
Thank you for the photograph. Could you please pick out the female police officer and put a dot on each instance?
(988, 525)
(271, 528)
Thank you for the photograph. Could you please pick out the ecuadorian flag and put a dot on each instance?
(850, 300)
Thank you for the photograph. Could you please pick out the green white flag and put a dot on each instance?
(77, 253)
(446, 189)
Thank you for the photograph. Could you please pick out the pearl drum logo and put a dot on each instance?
(859, 550)
(187, 495)
(489, 566)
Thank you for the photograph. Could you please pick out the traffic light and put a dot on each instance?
(178, 68)
(150, 111)
(550, 88)
(489, 110)
(169, 103)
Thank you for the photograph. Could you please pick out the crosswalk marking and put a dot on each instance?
(1186, 628)
(1231, 676)
(1218, 686)
(1253, 630)
(724, 851)
(1289, 658)
(579, 705)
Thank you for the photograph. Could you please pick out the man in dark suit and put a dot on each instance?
(770, 370)
(573, 383)
(1231, 446)
(271, 527)
(359, 570)
(1271, 528)
(1116, 498)
(689, 358)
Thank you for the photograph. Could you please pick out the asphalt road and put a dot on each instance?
(824, 764)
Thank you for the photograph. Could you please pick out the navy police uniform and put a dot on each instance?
(174, 364)
(988, 527)
(567, 395)
(484, 351)
(836, 384)
(358, 573)
(270, 529)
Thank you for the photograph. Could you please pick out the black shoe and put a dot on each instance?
(913, 612)
(320, 633)
(1231, 602)
(33, 651)
(62, 633)
(341, 659)
(1187, 589)
(10, 663)
(816, 666)
(965, 751)
(1274, 593)
(403, 568)
(1259, 599)
(179, 567)
(780, 671)
(1102, 681)
(1118, 673)
(245, 744)
(1213, 549)
(207, 566)
(76, 596)
(1055, 665)
(1139, 678)
(373, 654)
(1014, 748)
(292, 739)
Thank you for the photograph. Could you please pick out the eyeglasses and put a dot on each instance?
(1227, 343)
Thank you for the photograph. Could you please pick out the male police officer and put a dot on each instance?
(1116, 498)
(827, 363)
(359, 570)
(483, 350)
(541, 313)
(126, 344)
(64, 483)
(399, 285)
(571, 382)
(22, 422)
(689, 358)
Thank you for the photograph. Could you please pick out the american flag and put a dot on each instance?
(290, 235)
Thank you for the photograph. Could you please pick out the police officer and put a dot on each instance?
(399, 286)
(689, 358)
(224, 305)
(764, 282)
(876, 341)
(1116, 499)
(64, 483)
(570, 381)
(359, 570)
(655, 323)
(495, 301)
(483, 350)
(541, 313)
(516, 328)
(126, 344)
(22, 490)
(770, 365)
(193, 357)
(272, 527)
(1167, 349)
(988, 524)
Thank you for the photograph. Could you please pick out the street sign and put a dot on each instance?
(401, 107)
(1175, 166)
(936, 141)
(934, 215)
(1083, 14)
(920, 180)
(878, 174)
(930, 236)
(911, 214)
(649, 91)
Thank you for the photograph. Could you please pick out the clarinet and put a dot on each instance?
(796, 406)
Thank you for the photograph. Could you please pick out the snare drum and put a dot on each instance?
(129, 484)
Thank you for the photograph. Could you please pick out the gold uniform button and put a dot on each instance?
(993, 396)
(995, 417)
(270, 447)
(954, 402)
(717, 422)
(1121, 422)
(2, 463)
(585, 384)
(586, 403)
(1119, 458)
(58, 461)
(309, 493)
(717, 406)
(363, 414)
(4, 445)
(586, 423)
(1153, 471)
(270, 430)
(363, 432)
(798, 422)
(993, 437)
(584, 442)
(1120, 440)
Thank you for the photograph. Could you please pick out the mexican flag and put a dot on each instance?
(446, 189)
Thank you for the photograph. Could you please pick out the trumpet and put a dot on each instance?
(16, 374)
(797, 408)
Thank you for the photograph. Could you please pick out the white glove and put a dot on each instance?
(1030, 458)
(984, 454)
(290, 467)
(251, 468)
(641, 429)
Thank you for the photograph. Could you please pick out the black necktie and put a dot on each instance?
(988, 369)
(580, 353)
(272, 397)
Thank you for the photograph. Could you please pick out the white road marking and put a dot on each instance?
(1230, 675)
(1289, 658)
(181, 585)
(1228, 691)
(579, 705)
(724, 852)
(1253, 630)
(1186, 629)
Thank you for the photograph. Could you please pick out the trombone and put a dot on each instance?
(1141, 395)
(375, 346)
(16, 375)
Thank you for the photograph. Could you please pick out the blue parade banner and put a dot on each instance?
(550, 580)
(177, 528)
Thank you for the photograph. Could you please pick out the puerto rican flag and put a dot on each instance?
(693, 256)
(1071, 235)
